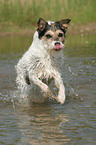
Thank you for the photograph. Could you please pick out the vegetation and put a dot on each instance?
(24, 12)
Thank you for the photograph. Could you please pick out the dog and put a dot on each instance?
(44, 59)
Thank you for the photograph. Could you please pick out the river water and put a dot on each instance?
(73, 123)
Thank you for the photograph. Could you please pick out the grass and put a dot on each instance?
(27, 12)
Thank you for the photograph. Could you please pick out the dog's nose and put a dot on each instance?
(57, 43)
(57, 46)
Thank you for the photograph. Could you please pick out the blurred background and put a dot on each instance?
(27, 12)
(73, 123)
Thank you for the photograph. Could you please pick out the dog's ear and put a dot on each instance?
(64, 23)
(41, 24)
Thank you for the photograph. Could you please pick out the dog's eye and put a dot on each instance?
(60, 35)
(48, 36)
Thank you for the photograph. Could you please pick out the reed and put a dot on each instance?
(22, 12)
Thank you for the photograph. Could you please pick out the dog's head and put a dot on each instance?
(52, 34)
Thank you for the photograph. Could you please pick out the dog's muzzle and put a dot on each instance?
(57, 46)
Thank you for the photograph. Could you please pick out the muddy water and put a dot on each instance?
(73, 123)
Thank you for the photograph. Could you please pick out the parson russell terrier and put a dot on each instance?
(43, 60)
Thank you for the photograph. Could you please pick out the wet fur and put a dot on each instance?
(41, 63)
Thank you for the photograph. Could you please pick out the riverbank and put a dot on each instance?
(11, 29)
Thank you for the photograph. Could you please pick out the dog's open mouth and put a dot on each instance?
(57, 46)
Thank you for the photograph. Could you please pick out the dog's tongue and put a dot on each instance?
(58, 47)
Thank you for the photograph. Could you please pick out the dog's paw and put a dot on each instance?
(47, 92)
(61, 98)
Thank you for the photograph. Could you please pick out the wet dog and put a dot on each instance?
(44, 59)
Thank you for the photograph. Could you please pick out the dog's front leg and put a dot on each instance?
(43, 86)
(59, 84)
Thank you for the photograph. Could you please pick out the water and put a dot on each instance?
(73, 123)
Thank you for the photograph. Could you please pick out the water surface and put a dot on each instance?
(73, 123)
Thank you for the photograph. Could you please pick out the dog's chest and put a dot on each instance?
(45, 68)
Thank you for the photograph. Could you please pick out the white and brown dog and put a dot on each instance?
(43, 60)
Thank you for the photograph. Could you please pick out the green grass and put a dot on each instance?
(26, 12)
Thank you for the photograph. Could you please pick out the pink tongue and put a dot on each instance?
(58, 47)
